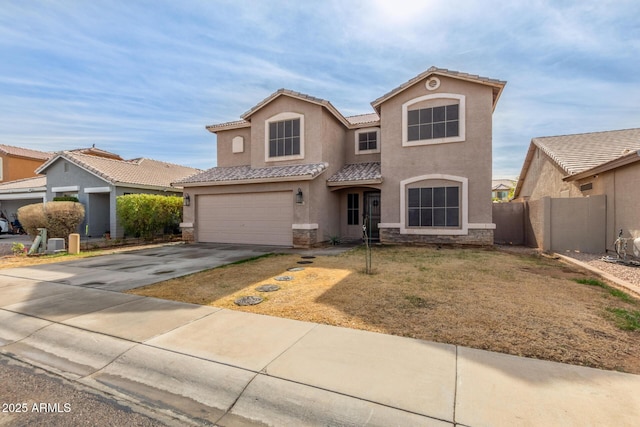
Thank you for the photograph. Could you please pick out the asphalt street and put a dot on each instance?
(31, 396)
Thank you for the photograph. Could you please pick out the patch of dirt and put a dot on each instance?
(520, 304)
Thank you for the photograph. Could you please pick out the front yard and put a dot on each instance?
(482, 298)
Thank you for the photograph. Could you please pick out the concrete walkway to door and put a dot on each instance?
(197, 364)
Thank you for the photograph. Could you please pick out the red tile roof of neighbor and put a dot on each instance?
(24, 152)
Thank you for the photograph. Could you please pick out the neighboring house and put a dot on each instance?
(589, 164)
(501, 188)
(21, 192)
(294, 171)
(97, 177)
(18, 163)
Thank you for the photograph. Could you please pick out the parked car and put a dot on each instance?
(4, 226)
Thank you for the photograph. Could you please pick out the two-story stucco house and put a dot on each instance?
(294, 171)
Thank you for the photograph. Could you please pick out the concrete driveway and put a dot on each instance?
(127, 270)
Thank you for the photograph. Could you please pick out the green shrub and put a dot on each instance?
(145, 215)
(65, 199)
(59, 218)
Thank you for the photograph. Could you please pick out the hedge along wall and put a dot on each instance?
(145, 215)
(59, 218)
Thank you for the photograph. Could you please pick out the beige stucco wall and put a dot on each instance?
(623, 199)
(226, 156)
(350, 149)
(470, 159)
(544, 178)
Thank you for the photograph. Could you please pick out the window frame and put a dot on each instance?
(434, 204)
(357, 140)
(353, 212)
(434, 180)
(280, 117)
(406, 107)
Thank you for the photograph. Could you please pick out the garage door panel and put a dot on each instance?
(253, 218)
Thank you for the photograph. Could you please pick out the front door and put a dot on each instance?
(372, 214)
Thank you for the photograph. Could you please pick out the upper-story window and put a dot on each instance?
(433, 119)
(284, 137)
(433, 123)
(367, 141)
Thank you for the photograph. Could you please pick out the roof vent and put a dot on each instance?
(432, 83)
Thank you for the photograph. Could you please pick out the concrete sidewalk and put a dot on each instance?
(200, 364)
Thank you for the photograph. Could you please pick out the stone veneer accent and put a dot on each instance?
(475, 237)
(305, 238)
(188, 234)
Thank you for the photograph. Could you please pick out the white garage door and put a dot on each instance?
(254, 218)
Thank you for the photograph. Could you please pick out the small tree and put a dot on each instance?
(59, 218)
(145, 215)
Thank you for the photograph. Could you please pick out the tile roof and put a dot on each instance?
(24, 152)
(246, 117)
(496, 84)
(502, 184)
(357, 172)
(361, 119)
(24, 184)
(577, 153)
(97, 152)
(136, 172)
(234, 174)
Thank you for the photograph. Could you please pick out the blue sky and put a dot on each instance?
(144, 78)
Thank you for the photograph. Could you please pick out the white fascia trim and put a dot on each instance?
(277, 118)
(304, 226)
(461, 121)
(65, 189)
(97, 190)
(480, 226)
(464, 201)
(20, 196)
(365, 130)
(389, 225)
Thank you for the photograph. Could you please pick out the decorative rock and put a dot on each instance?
(249, 300)
(267, 288)
(283, 278)
(305, 262)
(295, 269)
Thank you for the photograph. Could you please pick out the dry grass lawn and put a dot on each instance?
(482, 298)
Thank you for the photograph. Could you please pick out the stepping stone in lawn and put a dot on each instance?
(249, 300)
(295, 269)
(308, 257)
(305, 262)
(283, 278)
(267, 288)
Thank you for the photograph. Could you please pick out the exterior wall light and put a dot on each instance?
(299, 196)
(186, 200)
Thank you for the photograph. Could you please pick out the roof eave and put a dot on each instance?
(250, 181)
(497, 85)
(354, 182)
(284, 92)
(627, 159)
(227, 126)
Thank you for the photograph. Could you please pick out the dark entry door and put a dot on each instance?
(372, 213)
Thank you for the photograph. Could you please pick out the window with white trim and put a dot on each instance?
(434, 204)
(433, 207)
(367, 140)
(433, 123)
(284, 137)
(438, 118)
